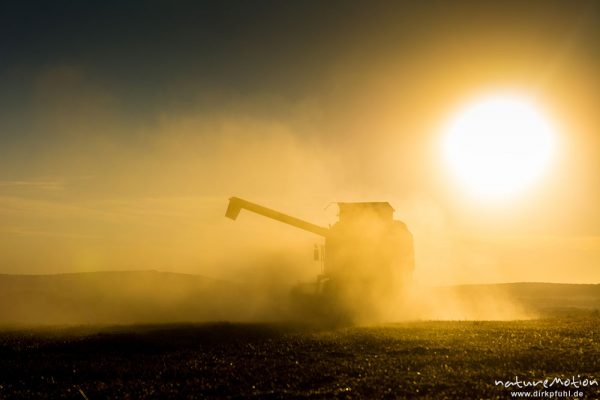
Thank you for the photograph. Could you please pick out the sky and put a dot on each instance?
(126, 125)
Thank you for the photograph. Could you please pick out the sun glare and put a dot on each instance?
(498, 146)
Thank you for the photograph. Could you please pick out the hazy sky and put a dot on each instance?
(126, 125)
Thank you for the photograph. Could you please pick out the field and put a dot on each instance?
(431, 360)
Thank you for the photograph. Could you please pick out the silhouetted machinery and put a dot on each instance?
(368, 260)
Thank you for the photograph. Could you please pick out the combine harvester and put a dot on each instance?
(367, 260)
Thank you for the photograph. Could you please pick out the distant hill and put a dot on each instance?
(541, 299)
(118, 297)
(154, 297)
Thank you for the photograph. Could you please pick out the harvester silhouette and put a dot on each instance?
(367, 261)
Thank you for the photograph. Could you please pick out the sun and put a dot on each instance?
(498, 146)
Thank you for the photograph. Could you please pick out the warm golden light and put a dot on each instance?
(498, 145)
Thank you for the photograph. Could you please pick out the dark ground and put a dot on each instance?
(436, 360)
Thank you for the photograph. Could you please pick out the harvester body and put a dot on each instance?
(368, 259)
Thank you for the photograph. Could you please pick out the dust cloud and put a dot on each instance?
(158, 204)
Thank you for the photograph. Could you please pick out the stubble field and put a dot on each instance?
(430, 360)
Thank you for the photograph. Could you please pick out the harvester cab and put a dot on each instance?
(367, 262)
